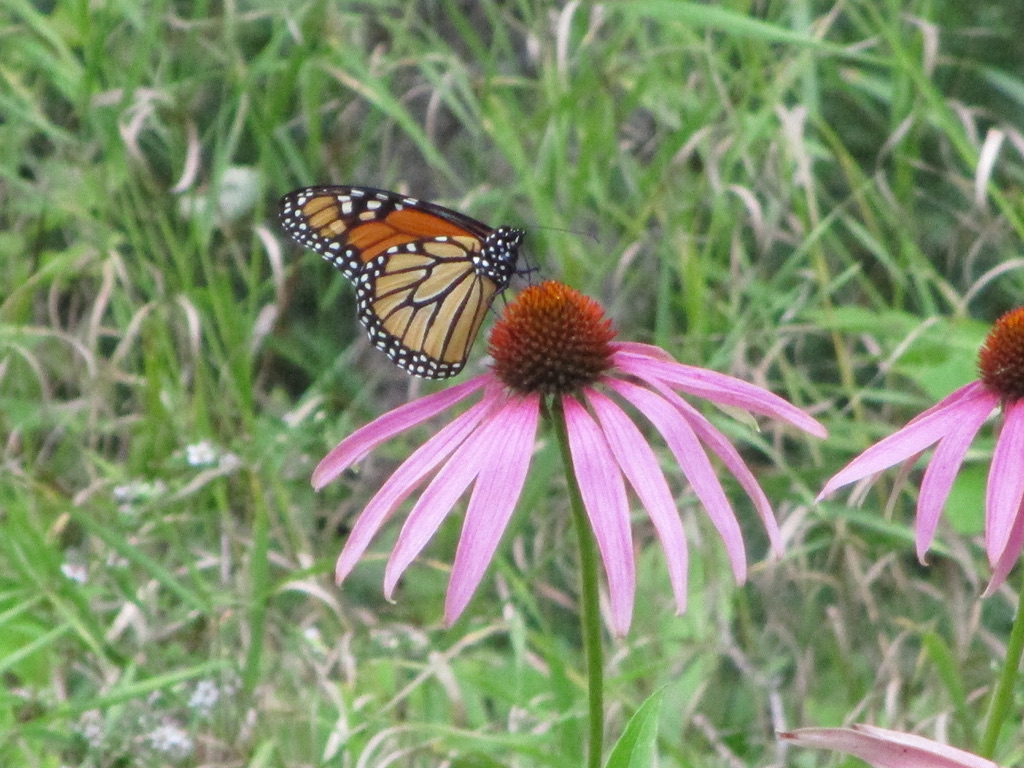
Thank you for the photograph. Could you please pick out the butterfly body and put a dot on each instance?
(424, 275)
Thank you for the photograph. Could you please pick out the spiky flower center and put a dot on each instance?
(1001, 359)
(552, 340)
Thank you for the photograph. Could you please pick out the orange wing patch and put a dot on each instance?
(420, 224)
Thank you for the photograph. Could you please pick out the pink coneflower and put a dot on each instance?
(883, 748)
(553, 348)
(953, 424)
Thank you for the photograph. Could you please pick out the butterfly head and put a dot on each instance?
(499, 254)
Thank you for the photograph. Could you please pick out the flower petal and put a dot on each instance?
(726, 451)
(643, 350)
(436, 502)
(510, 436)
(911, 439)
(1005, 489)
(696, 466)
(640, 466)
(404, 481)
(1011, 552)
(971, 391)
(717, 387)
(366, 438)
(604, 497)
(883, 748)
(943, 468)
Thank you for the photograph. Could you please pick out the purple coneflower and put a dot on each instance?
(952, 424)
(883, 748)
(553, 348)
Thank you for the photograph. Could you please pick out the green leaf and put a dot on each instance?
(636, 747)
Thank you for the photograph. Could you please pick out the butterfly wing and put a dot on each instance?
(425, 275)
(423, 303)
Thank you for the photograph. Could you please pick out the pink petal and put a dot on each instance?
(604, 497)
(696, 466)
(943, 468)
(1005, 489)
(717, 387)
(883, 748)
(916, 436)
(968, 391)
(1011, 552)
(436, 502)
(727, 452)
(366, 438)
(643, 350)
(640, 466)
(404, 481)
(512, 432)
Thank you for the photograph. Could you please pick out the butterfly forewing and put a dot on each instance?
(425, 276)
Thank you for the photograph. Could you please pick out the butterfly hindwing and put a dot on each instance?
(424, 303)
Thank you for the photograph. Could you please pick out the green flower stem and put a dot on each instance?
(1002, 696)
(590, 610)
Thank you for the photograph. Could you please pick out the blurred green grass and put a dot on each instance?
(789, 193)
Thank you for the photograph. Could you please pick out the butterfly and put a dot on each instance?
(424, 275)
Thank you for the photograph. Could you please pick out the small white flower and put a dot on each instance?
(201, 454)
(171, 741)
(204, 698)
(208, 693)
(74, 571)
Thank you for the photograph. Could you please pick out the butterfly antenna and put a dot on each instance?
(591, 235)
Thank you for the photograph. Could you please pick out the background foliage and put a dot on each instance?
(824, 199)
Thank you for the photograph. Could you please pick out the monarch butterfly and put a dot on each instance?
(424, 275)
